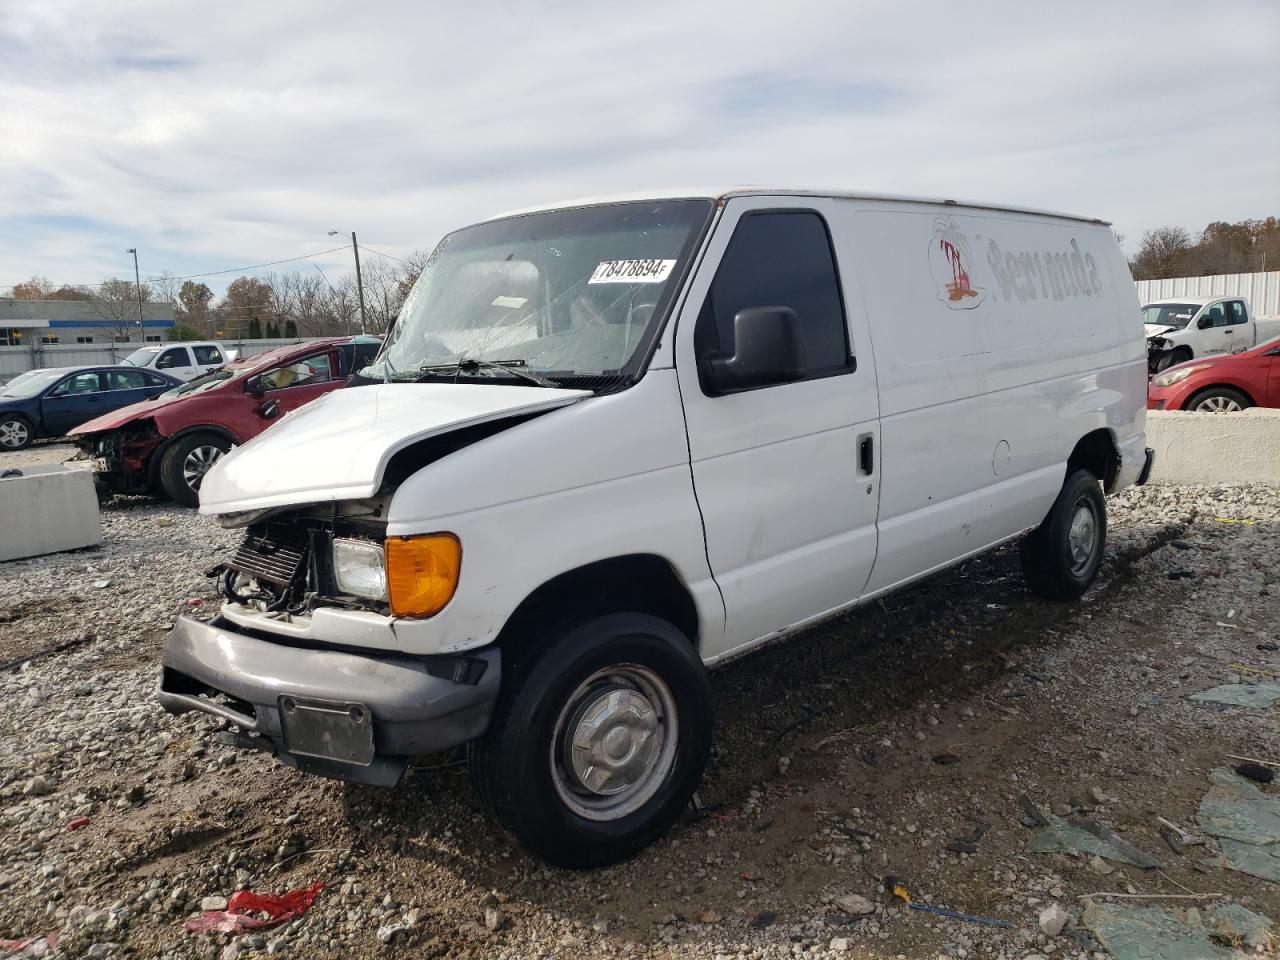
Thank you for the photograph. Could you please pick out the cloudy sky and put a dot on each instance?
(218, 135)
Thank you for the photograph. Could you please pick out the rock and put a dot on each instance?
(708, 916)
(390, 932)
(213, 903)
(278, 945)
(137, 793)
(840, 944)
(1100, 866)
(600, 926)
(38, 786)
(101, 584)
(855, 905)
(493, 918)
(784, 764)
(1053, 919)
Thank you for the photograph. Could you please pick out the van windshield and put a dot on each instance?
(575, 297)
(1169, 314)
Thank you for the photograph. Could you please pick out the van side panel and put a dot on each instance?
(1000, 340)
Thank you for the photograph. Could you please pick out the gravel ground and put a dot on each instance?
(861, 750)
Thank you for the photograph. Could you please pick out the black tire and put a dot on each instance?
(1219, 400)
(1179, 355)
(523, 767)
(1053, 562)
(16, 432)
(179, 474)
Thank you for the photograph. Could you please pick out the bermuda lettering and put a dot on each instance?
(1059, 275)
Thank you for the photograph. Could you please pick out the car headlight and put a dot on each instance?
(1171, 377)
(359, 569)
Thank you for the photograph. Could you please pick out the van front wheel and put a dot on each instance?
(598, 740)
(1060, 559)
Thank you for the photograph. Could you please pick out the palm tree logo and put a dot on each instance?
(949, 262)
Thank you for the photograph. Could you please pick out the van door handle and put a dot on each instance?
(866, 454)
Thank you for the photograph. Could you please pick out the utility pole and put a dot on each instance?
(137, 288)
(355, 249)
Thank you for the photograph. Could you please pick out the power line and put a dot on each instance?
(387, 255)
(211, 273)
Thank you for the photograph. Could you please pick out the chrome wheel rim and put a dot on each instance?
(197, 464)
(614, 742)
(1082, 537)
(1219, 405)
(14, 434)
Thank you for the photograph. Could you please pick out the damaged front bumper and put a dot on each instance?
(355, 716)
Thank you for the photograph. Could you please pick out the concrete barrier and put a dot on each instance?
(1215, 447)
(47, 509)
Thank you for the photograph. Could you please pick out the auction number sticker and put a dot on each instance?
(632, 271)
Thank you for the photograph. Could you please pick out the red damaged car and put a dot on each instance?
(167, 444)
(1220, 384)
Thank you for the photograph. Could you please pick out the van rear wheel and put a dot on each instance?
(598, 740)
(1060, 559)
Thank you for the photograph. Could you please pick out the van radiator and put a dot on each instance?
(272, 552)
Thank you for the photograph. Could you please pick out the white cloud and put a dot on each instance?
(219, 135)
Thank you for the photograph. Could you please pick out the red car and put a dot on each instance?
(167, 444)
(1220, 384)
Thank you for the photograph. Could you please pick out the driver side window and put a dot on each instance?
(176, 357)
(308, 371)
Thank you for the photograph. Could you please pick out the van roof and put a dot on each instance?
(724, 193)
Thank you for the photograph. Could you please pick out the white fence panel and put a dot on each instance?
(1261, 289)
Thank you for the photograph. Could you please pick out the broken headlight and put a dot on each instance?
(358, 568)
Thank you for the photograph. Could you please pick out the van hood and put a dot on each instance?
(337, 447)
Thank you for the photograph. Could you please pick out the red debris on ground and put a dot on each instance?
(18, 946)
(75, 823)
(242, 904)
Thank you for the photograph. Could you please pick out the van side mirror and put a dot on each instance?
(767, 349)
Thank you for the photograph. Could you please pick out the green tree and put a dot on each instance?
(255, 329)
(184, 332)
(290, 330)
(273, 331)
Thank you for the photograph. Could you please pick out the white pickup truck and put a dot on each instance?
(1190, 327)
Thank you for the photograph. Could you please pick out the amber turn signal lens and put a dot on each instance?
(422, 573)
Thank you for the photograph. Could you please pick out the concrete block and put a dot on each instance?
(1213, 448)
(47, 509)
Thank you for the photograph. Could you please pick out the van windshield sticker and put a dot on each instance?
(632, 271)
(513, 302)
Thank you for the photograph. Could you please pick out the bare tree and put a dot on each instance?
(1163, 254)
(116, 303)
(37, 288)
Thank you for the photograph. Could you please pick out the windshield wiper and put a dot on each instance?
(472, 365)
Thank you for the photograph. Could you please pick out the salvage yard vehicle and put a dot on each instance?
(48, 403)
(611, 444)
(186, 361)
(1221, 384)
(1193, 327)
(167, 444)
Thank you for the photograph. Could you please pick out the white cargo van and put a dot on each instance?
(614, 443)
